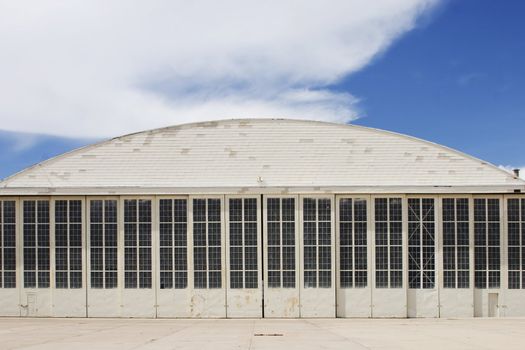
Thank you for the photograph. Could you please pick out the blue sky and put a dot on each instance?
(459, 80)
(450, 72)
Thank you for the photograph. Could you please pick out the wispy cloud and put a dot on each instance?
(99, 68)
(510, 169)
(469, 78)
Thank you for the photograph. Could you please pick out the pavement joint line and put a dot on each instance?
(339, 335)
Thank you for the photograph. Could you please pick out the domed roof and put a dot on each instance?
(261, 155)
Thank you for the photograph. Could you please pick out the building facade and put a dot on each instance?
(262, 218)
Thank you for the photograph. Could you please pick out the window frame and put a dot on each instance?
(18, 282)
(502, 242)
(505, 270)
(82, 247)
(297, 243)
(369, 243)
(404, 242)
(51, 276)
(437, 232)
(302, 243)
(119, 269)
(228, 243)
(122, 245)
(189, 246)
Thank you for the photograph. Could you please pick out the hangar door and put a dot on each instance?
(298, 239)
(317, 251)
(243, 265)
(281, 258)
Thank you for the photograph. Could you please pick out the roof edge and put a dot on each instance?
(4, 181)
(275, 190)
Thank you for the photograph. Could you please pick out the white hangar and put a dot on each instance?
(262, 218)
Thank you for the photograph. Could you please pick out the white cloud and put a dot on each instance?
(511, 168)
(101, 68)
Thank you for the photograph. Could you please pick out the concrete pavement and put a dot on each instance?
(348, 334)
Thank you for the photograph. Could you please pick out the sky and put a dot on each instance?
(77, 72)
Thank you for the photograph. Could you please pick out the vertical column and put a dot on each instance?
(243, 263)
(317, 288)
(209, 292)
(423, 296)
(487, 255)
(36, 295)
(389, 295)
(138, 294)
(354, 257)
(515, 257)
(9, 295)
(280, 237)
(103, 253)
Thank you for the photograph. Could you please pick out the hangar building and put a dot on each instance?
(262, 218)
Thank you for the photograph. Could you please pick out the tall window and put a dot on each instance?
(36, 243)
(137, 243)
(243, 242)
(317, 238)
(281, 242)
(207, 257)
(68, 244)
(389, 242)
(516, 242)
(7, 244)
(456, 256)
(173, 243)
(487, 242)
(421, 243)
(103, 243)
(353, 243)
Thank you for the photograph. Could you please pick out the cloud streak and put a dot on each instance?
(510, 169)
(101, 68)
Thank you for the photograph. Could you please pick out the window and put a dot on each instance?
(7, 244)
(68, 244)
(137, 243)
(173, 243)
(36, 243)
(516, 242)
(456, 232)
(103, 243)
(353, 243)
(317, 239)
(389, 242)
(207, 257)
(486, 243)
(421, 243)
(243, 243)
(280, 214)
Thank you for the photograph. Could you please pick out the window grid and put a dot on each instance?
(389, 242)
(7, 244)
(243, 243)
(516, 242)
(36, 243)
(281, 242)
(486, 243)
(68, 244)
(421, 243)
(207, 243)
(173, 243)
(317, 232)
(103, 243)
(137, 243)
(353, 255)
(456, 243)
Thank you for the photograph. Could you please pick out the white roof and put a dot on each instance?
(261, 155)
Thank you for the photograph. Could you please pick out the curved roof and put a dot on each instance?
(256, 154)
